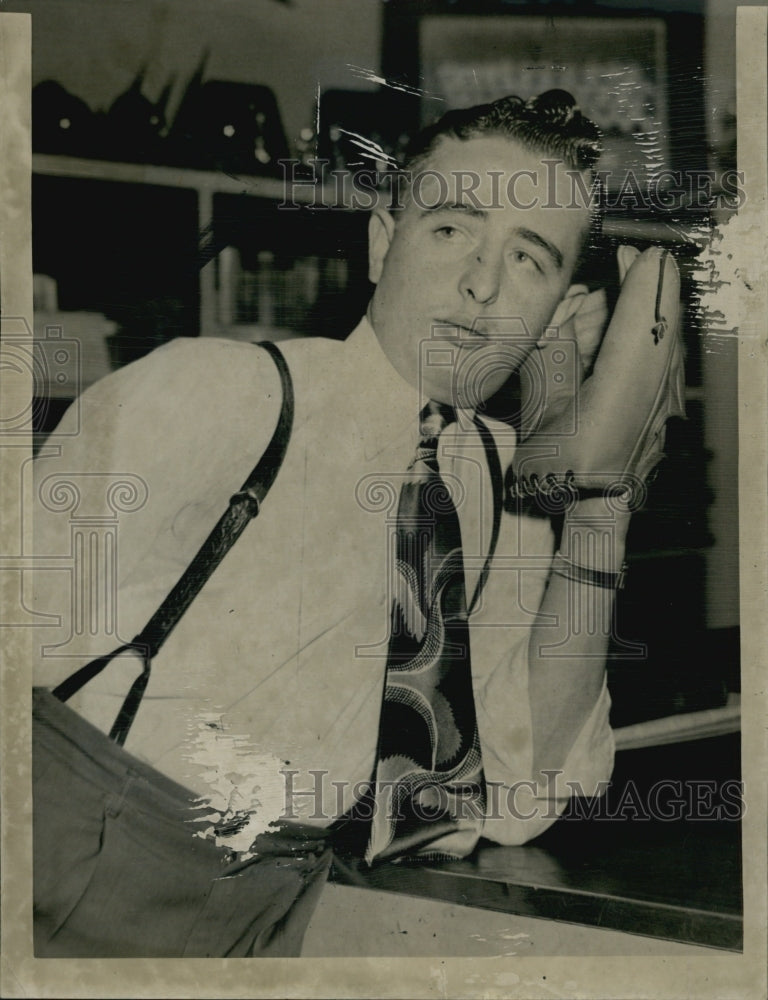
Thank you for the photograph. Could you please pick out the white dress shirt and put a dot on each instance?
(270, 686)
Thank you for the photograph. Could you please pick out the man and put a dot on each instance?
(266, 700)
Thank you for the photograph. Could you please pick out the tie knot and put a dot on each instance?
(435, 417)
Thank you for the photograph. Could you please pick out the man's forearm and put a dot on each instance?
(569, 641)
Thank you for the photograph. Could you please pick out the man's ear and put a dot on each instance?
(381, 227)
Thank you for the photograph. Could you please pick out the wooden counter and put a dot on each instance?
(677, 879)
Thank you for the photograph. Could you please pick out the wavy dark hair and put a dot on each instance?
(550, 123)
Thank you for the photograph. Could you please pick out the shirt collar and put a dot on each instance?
(386, 406)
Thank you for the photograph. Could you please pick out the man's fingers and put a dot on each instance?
(589, 325)
(581, 316)
(625, 257)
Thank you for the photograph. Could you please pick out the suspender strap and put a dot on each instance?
(497, 492)
(243, 505)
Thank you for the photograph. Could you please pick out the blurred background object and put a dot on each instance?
(135, 127)
(220, 125)
(63, 123)
(233, 127)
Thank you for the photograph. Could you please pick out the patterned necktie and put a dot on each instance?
(429, 789)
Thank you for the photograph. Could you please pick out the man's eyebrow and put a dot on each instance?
(478, 213)
(455, 206)
(549, 248)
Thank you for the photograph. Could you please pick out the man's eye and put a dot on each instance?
(521, 257)
(447, 232)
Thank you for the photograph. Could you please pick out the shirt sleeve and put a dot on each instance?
(519, 808)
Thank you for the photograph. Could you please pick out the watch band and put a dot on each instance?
(583, 574)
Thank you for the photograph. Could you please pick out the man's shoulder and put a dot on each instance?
(188, 389)
(312, 350)
(205, 386)
(194, 356)
(200, 355)
(190, 367)
(193, 408)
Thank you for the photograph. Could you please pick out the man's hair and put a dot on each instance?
(550, 123)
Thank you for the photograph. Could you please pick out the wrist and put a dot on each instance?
(594, 537)
(592, 576)
(598, 513)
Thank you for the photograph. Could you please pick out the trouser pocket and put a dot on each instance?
(68, 834)
(120, 872)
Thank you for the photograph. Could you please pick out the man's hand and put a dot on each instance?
(579, 324)
(604, 427)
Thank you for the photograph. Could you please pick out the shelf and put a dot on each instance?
(683, 728)
(205, 184)
(210, 183)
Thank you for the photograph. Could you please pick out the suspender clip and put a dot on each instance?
(250, 496)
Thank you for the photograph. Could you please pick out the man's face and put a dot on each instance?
(463, 293)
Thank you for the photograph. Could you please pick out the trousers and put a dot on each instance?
(119, 873)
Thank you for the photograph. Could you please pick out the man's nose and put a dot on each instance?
(481, 278)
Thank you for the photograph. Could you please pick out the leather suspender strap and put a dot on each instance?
(497, 493)
(243, 506)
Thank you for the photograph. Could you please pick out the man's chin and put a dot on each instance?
(480, 373)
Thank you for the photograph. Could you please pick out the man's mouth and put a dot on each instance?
(467, 336)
